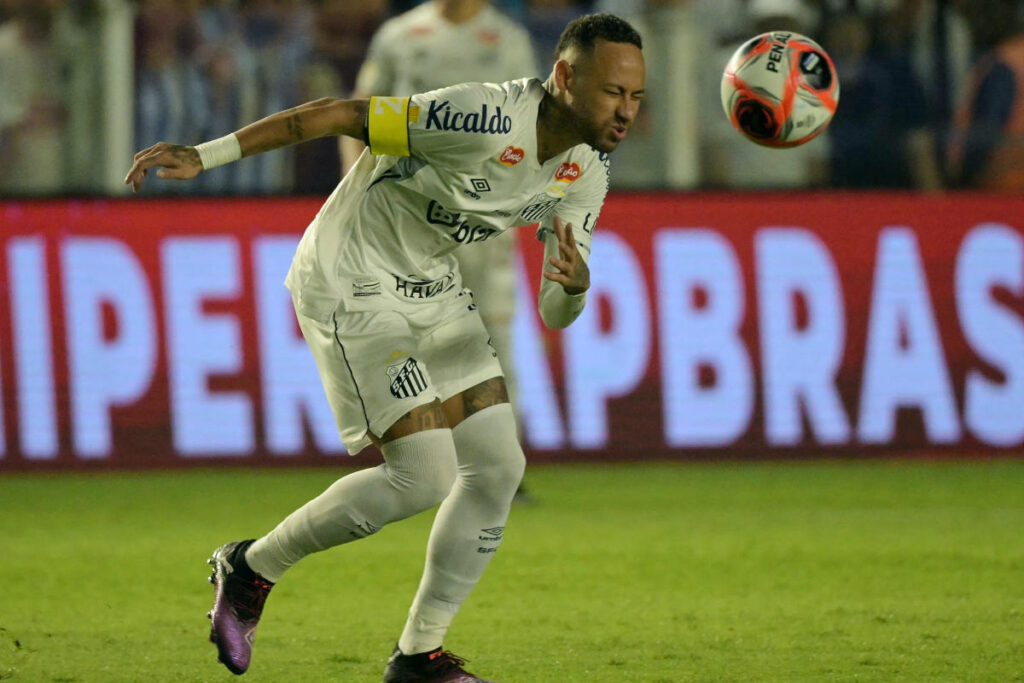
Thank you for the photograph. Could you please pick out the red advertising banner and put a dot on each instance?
(155, 333)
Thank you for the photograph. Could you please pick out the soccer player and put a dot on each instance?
(401, 349)
(433, 45)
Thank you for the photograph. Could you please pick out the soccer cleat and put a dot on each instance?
(238, 603)
(436, 666)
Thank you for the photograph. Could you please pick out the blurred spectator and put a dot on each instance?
(225, 61)
(170, 90)
(205, 68)
(988, 148)
(941, 52)
(895, 36)
(277, 45)
(343, 31)
(877, 132)
(443, 42)
(727, 158)
(47, 92)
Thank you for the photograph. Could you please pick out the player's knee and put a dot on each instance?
(501, 474)
(437, 483)
(497, 472)
(431, 482)
(422, 467)
(490, 457)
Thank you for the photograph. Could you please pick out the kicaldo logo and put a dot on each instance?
(567, 173)
(512, 155)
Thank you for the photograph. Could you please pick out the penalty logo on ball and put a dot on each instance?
(780, 89)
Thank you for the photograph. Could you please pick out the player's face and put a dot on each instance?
(606, 90)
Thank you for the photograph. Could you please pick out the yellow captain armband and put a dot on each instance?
(387, 123)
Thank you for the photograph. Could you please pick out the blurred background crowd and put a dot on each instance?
(932, 90)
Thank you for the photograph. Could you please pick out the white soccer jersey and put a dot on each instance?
(420, 50)
(447, 168)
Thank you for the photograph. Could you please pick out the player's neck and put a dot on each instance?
(556, 131)
(460, 11)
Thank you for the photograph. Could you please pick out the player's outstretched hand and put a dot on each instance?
(178, 161)
(570, 269)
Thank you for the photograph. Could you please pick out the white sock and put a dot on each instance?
(469, 525)
(417, 474)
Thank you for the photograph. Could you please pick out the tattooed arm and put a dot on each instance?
(316, 119)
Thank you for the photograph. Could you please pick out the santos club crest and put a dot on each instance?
(407, 378)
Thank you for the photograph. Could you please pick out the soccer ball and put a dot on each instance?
(780, 89)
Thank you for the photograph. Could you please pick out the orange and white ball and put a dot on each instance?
(780, 89)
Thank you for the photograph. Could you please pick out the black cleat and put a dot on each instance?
(436, 666)
(237, 605)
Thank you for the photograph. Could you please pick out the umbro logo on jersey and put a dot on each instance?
(407, 379)
(512, 155)
(567, 173)
(479, 185)
(492, 122)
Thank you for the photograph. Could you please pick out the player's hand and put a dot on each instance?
(177, 161)
(570, 269)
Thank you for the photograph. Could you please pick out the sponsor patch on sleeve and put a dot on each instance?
(567, 173)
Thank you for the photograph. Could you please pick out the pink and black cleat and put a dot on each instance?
(436, 666)
(238, 603)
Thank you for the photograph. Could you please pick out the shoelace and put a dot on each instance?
(446, 662)
(247, 597)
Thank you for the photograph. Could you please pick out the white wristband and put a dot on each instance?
(219, 152)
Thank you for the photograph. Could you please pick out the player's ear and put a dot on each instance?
(563, 75)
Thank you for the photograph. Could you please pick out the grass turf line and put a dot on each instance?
(851, 571)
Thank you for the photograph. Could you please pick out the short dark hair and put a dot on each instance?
(584, 32)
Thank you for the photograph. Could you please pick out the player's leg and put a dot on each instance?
(469, 526)
(418, 471)
(470, 523)
(375, 386)
(488, 269)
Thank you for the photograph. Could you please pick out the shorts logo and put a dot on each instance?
(567, 173)
(407, 379)
(512, 155)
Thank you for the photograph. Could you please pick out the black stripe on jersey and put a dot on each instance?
(344, 356)
(586, 221)
(389, 174)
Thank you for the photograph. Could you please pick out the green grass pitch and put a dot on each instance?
(824, 571)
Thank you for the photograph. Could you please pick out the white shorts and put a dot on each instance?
(376, 366)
